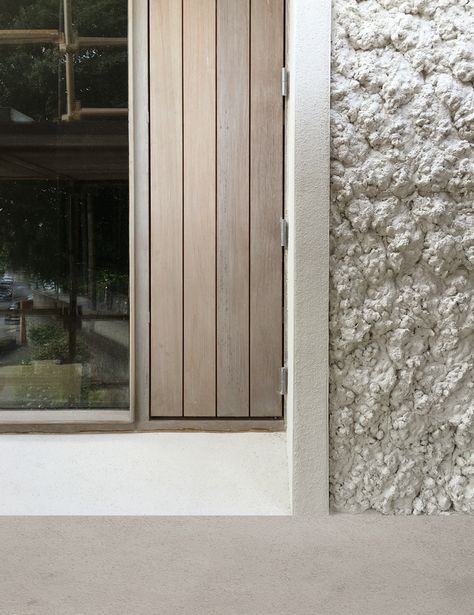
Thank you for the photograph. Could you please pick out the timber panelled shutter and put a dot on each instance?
(217, 135)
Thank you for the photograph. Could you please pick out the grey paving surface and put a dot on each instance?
(257, 566)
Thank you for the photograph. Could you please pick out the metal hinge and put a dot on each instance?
(284, 233)
(284, 81)
(283, 381)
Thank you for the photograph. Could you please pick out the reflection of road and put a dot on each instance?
(20, 292)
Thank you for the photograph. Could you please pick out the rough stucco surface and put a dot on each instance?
(402, 256)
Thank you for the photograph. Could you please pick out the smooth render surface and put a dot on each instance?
(308, 154)
(402, 263)
(144, 474)
(339, 565)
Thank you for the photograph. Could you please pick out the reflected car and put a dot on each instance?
(6, 292)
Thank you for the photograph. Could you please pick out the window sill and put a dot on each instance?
(145, 474)
(32, 418)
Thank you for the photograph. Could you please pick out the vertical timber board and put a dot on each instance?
(166, 247)
(233, 84)
(266, 207)
(199, 61)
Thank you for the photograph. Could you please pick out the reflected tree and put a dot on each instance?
(50, 229)
(101, 74)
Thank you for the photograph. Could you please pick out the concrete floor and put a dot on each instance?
(241, 566)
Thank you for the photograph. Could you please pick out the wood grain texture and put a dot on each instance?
(266, 207)
(233, 207)
(166, 245)
(199, 207)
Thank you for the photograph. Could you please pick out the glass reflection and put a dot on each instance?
(64, 204)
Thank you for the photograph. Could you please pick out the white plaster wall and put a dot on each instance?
(402, 256)
(144, 474)
(307, 202)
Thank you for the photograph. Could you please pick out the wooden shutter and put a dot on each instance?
(217, 133)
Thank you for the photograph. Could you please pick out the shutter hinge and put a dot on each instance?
(283, 381)
(284, 233)
(284, 81)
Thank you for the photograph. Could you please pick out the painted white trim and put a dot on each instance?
(308, 156)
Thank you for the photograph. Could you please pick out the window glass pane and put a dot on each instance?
(64, 205)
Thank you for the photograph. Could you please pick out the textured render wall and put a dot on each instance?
(402, 263)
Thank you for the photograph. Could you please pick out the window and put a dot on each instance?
(114, 297)
(64, 206)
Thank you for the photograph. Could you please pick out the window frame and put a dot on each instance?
(138, 236)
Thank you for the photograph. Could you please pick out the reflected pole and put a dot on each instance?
(72, 316)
